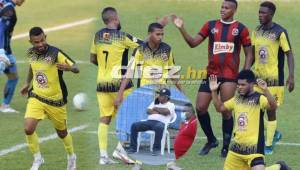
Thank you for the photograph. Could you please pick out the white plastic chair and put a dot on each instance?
(166, 135)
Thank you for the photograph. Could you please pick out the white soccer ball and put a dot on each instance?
(80, 101)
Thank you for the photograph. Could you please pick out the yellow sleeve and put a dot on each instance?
(229, 104)
(64, 58)
(93, 47)
(171, 60)
(284, 42)
(263, 102)
(131, 42)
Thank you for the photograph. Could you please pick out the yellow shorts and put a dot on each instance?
(235, 161)
(276, 91)
(106, 102)
(39, 110)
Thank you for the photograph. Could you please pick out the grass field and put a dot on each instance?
(135, 16)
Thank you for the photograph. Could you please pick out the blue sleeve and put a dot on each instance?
(2, 32)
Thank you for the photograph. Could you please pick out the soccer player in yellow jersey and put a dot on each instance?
(247, 148)
(153, 61)
(109, 51)
(47, 95)
(271, 44)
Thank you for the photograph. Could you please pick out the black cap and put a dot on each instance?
(164, 92)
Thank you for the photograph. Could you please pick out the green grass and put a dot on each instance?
(135, 17)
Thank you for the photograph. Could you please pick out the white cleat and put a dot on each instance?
(71, 162)
(106, 161)
(7, 109)
(37, 163)
(117, 154)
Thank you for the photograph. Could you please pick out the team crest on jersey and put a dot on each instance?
(263, 55)
(214, 30)
(106, 36)
(235, 32)
(242, 121)
(41, 79)
(223, 47)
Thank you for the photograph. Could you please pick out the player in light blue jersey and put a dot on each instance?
(9, 20)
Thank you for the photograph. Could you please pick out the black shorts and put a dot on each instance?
(257, 161)
(204, 86)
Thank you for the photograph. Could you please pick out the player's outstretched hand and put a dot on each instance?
(177, 21)
(262, 84)
(163, 20)
(24, 90)
(64, 67)
(290, 83)
(213, 83)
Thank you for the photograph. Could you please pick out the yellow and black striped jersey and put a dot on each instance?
(111, 47)
(48, 81)
(248, 129)
(270, 46)
(152, 65)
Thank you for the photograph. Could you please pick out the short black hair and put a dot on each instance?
(35, 31)
(107, 13)
(233, 1)
(189, 108)
(154, 26)
(269, 5)
(248, 75)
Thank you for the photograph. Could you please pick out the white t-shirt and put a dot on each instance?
(159, 117)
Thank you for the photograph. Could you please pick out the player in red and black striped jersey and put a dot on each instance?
(226, 36)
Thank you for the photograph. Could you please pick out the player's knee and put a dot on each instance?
(106, 120)
(271, 115)
(62, 133)
(29, 130)
(133, 127)
(201, 110)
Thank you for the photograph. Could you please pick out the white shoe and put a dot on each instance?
(71, 162)
(106, 160)
(37, 163)
(117, 154)
(7, 109)
(173, 166)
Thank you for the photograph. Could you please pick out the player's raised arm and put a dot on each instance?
(272, 102)
(214, 85)
(192, 42)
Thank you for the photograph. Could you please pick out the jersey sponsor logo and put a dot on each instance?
(223, 47)
(235, 32)
(214, 30)
(242, 121)
(263, 54)
(49, 60)
(272, 36)
(41, 79)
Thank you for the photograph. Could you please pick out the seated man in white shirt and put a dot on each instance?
(159, 113)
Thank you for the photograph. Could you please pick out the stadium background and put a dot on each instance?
(135, 16)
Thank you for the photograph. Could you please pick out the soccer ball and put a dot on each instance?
(80, 101)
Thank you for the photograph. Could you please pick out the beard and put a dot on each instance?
(119, 26)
